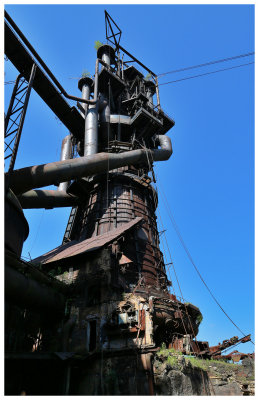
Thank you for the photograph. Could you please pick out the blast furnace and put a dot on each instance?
(99, 305)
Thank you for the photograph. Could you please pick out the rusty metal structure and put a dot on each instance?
(86, 317)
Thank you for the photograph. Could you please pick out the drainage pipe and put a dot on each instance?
(66, 153)
(47, 199)
(37, 176)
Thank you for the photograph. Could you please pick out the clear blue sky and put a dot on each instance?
(209, 180)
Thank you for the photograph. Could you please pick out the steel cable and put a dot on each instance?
(207, 63)
(191, 259)
(206, 73)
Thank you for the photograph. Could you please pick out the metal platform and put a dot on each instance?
(117, 85)
(131, 73)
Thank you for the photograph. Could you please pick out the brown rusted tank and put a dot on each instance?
(130, 195)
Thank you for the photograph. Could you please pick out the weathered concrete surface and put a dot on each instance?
(177, 375)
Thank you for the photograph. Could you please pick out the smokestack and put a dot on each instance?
(107, 54)
(85, 84)
(91, 118)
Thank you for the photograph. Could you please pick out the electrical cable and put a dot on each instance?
(191, 259)
(36, 235)
(190, 323)
(206, 73)
(207, 63)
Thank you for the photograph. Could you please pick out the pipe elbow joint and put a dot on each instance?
(166, 150)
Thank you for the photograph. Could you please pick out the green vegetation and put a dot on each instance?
(168, 352)
(97, 44)
(172, 358)
(198, 363)
(85, 74)
(148, 77)
(205, 364)
(199, 318)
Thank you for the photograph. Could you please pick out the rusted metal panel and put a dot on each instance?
(178, 314)
(75, 248)
(178, 344)
(235, 355)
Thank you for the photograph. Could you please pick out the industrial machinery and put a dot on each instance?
(86, 317)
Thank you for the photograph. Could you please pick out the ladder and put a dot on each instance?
(70, 225)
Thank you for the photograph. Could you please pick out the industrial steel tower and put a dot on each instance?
(110, 306)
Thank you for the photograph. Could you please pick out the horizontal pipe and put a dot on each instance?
(27, 292)
(36, 176)
(123, 119)
(47, 199)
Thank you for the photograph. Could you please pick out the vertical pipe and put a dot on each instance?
(157, 95)
(91, 116)
(91, 131)
(104, 120)
(106, 58)
(85, 95)
(85, 84)
(149, 95)
(66, 153)
(122, 68)
(107, 54)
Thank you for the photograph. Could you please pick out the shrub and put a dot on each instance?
(85, 74)
(97, 44)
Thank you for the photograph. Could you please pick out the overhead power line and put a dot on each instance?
(206, 73)
(193, 263)
(9, 82)
(207, 63)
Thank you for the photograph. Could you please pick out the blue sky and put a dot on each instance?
(209, 180)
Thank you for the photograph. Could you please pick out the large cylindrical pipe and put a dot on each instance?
(122, 119)
(91, 131)
(166, 150)
(66, 153)
(91, 122)
(107, 54)
(104, 122)
(85, 84)
(46, 199)
(29, 293)
(37, 176)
